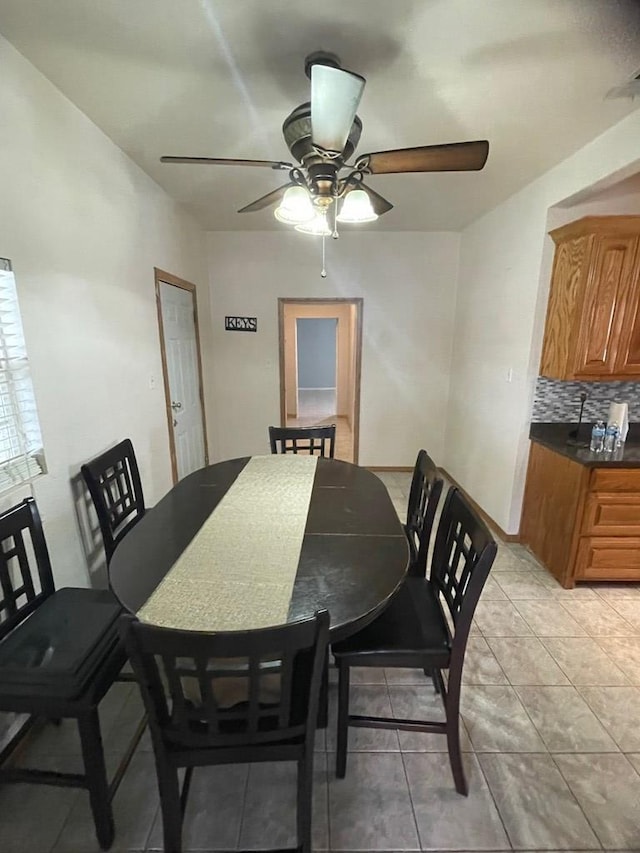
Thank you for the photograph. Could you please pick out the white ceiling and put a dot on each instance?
(217, 78)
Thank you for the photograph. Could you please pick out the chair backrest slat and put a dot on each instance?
(426, 488)
(114, 484)
(286, 682)
(24, 557)
(314, 441)
(463, 554)
(237, 688)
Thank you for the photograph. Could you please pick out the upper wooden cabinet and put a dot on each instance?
(593, 316)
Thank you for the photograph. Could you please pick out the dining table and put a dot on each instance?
(264, 540)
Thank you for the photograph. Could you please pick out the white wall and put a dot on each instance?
(84, 227)
(502, 293)
(407, 281)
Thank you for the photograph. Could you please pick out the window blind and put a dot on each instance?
(21, 455)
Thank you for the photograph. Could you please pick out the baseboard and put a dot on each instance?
(507, 537)
(401, 468)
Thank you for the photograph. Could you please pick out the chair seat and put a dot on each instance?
(413, 624)
(57, 648)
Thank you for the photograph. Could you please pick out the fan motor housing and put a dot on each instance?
(296, 129)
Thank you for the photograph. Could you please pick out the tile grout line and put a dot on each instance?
(595, 713)
(493, 799)
(244, 805)
(157, 812)
(325, 756)
(586, 816)
(74, 801)
(633, 631)
(413, 808)
(614, 666)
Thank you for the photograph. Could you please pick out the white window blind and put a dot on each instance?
(21, 455)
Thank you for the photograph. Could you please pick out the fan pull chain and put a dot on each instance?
(323, 272)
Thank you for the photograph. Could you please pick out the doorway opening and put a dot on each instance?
(320, 356)
(182, 373)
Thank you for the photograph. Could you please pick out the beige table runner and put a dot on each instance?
(238, 571)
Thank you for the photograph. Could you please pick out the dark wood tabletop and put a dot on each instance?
(354, 552)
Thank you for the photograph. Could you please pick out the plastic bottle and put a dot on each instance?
(610, 436)
(597, 437)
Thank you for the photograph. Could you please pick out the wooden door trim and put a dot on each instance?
(358, 303)
(168, 278)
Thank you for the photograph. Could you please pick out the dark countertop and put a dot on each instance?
(554, 436)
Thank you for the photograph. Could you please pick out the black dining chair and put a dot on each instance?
(59, 654)
(426, 625)
(424, 495)
(114, 484)
(198, 726)
(316, 440)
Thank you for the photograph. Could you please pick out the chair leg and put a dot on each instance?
(433, 675)
(323, 698)
(342, 740)
(170, 806)
(96, 775)
(305, 802)
(452, 710)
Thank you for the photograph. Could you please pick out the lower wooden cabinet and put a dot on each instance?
(611, 515)
(608, 558)
(582, 523)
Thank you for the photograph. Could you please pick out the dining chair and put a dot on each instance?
(316, 440)
(59, 655)
(426, 625)
(116, 491)
(424, 495)
(199, 725)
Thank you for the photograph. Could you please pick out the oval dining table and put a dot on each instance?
(353, 552)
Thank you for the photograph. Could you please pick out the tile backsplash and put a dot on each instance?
(559, 402)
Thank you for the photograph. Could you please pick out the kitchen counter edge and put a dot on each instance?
(554, 437)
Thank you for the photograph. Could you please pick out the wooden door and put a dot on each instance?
(608, 284)
(182, 374)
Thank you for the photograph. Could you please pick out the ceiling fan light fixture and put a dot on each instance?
(357, 207)
(317, 227)
(335, 95)
(295, 208)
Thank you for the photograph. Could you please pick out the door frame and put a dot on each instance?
(358, 303)
(168, 278)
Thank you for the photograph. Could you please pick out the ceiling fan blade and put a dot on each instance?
(452, 157)
(219, 161)
(378, 202)
(266, 200)
(335, 95)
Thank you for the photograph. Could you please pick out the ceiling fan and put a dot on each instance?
(322, 134)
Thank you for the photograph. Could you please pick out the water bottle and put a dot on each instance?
(597, 437)
(610, 436)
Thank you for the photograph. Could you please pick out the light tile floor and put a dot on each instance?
(551, 734)
(317, 408)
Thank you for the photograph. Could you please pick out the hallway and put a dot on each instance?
(317, 408)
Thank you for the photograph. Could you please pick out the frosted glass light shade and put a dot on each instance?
(295, 207)
(335, 95)
(356, 207)
(318, 226)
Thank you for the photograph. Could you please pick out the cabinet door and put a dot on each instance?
(567, 284)
(608, 284)
(628, 358)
